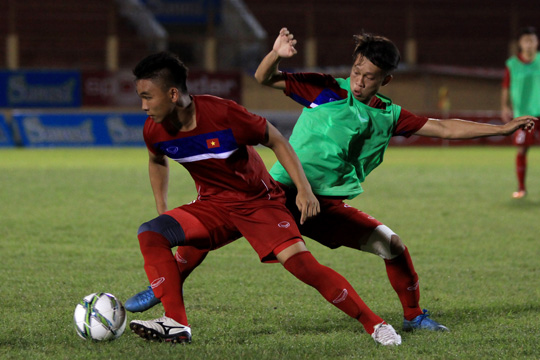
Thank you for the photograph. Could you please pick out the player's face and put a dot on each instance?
(366, 79)
(156, 102)
(528, 43)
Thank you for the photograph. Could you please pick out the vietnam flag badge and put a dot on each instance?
(212, 143)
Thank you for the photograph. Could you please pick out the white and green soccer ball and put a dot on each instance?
(100, 316)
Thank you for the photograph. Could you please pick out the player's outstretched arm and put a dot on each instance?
(158, 169)
(456, 129)
(268, 73)
(305, 200)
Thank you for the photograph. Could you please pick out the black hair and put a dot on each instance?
(527, 30)
(164, 67)
(380, 50)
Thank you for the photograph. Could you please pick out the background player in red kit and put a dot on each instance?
(212, 137)
(520, 95)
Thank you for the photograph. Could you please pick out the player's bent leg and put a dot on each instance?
(170, 228)
(403, 278)
(404, 281)
(399, 267)
(340, 224)
(384, 243)
(187, 259)
(335, 289)
(156, 239)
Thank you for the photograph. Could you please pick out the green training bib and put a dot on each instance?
(339, 143)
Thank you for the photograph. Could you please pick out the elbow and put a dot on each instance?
(264, 82)
(265, 79)
(260, 78)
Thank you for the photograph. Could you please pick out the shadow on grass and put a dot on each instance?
(317, 327)
(522, 204)
(475, 314)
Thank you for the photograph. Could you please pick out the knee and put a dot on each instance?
(522, 150)
(396, 246)
(384, 242)
(147, 226)
(165, 226)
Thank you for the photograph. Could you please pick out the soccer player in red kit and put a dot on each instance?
(212, 138)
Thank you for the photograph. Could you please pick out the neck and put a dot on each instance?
(367, 101)
(183, 116)
(528, 56)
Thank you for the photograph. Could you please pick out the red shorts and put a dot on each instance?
(266, 224)
(525, 138)
(338, 224)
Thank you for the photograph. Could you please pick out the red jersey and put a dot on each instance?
(218, 153)
(313, 89)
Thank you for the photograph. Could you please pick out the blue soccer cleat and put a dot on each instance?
(423, 322)
(142, 301)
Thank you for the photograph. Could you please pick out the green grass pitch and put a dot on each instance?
(69, 219)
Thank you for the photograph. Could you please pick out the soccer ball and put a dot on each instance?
(100, 316)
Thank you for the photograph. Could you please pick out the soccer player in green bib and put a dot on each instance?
(340, 137)
(520, 95)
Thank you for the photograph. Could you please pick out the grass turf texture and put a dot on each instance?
(69, 219)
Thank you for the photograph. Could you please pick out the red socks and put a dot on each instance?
(404, 280)
(521, 170)
(167, 272)
(333, 287)
(162, 272)
(187, 259)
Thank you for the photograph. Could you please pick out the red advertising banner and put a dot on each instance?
(118, 88)
(227, 85)
(109, 89)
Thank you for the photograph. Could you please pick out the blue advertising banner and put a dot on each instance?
(79, 129)
(35, 88)
(6, 136)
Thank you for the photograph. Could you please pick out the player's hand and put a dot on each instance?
(525, 123)
(308, 205)
(284, 44)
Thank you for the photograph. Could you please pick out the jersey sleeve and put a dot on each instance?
(409, 123)
(248, 128)
(312, 89)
